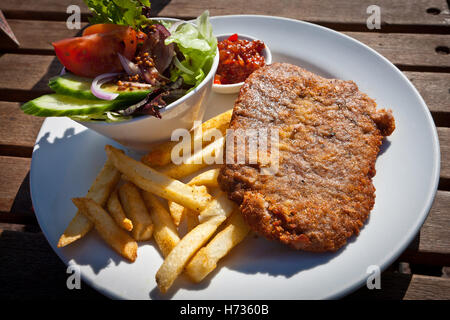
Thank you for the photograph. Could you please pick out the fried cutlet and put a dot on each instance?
(330, 134)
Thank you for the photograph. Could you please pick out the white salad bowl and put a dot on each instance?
(140, 133)
(235, 87)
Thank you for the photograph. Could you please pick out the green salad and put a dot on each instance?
(127, 64)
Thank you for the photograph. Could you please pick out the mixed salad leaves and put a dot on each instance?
(126, 64)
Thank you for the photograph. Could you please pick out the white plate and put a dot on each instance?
(67, 157)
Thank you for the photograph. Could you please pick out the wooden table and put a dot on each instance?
(414, 35)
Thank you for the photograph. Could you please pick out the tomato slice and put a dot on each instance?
(108, 27)
(233, 37)
(217, 79)
(96, 53)
(141, 37)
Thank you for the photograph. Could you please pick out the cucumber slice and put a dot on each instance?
(57, 105)
(80, 87)
(72, 85)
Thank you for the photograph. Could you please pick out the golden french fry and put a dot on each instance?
(117, 238)
(206, 259)
(196, 161)
(174, 263)
(165, 233)
(157, 183)
(207, 178)
(100, 190)
(220, 205)
(161, 154)
(177, 211)
(191, 219)
(115, 209)
(136, 211)
(125, 178)
(176, 260)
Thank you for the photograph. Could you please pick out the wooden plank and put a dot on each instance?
(40, 10)
(409, 51)
(12, 173)
(428, 288)
(21, 210)
(18, 131)
(435, 232)
(28, 72)
(29, 269)
(444, 140)
(25, 77)
(324, 12)
(432, 246)
(397, 286)
(37, 36)
(19, 227)
(12, 227)
(406, 50)
(435, 90)
(396, 16)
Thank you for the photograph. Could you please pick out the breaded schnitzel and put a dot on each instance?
(329, 138)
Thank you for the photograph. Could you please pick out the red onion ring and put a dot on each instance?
(97, 83)
(129, 67)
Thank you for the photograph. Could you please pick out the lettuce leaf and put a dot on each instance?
(133, 13)
(198, 46)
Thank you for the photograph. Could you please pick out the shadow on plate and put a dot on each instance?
(71, 184)
(258, 255)
(385, 145)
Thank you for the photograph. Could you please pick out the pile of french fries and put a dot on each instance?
(125, 205)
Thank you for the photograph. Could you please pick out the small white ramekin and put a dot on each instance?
(235, 87)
